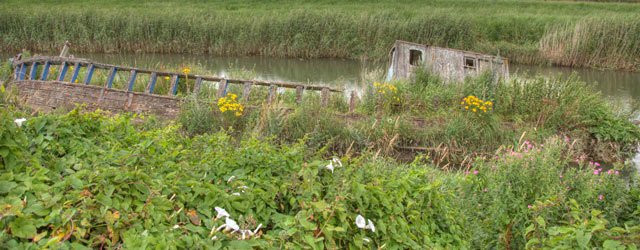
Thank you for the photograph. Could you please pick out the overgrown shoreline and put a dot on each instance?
(85, 180)
(598, 35)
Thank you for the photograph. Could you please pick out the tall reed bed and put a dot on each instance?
(594, 42)
(521, 33)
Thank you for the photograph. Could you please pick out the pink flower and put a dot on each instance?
(597, 164)
(475, 172)
(617, 172)
(561, 176)
(596, 172)
(529, 206)
(610, 171)
(600, 197)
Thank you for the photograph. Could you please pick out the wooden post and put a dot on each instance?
(112, 75)
(45, 71)
(65, 49)
(246, 91)
(76, 71)
(152, 82)
(272, 93)
(222, 88)
(352, 101)
(132, 79)
(64, 66)
(299, 91)
(196, 87)
(87, 78)
(34, 71)
(174, 84)
(324, 97)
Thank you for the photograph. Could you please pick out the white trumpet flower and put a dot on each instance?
(221, 212)
(371, 226)
(231, 178)
(361, 222)
(20, 121)
(231, 224)
(337, 161)
(330, 166)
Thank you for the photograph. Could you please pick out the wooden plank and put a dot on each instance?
(222, 88)
(152, 82)
(112, 75)
(174, 84)
(87, 78)
(45, 71)
(63, 71)
(34, 71)
(196, 87)
(324, 97)
(246, 91)
(352, 101)
(272, 93)
(132, 79)
(299, 92)
(76, 72)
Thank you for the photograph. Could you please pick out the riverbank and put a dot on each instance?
(88, 180)
(529, 32)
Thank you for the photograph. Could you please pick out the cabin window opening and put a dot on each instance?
(470, 62)
(415, 57)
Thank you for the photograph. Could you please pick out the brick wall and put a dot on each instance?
(50, 95)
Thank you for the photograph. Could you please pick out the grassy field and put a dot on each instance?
(601, 35)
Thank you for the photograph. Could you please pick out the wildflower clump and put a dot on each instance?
(229, 103)
(476, 105)
(388, 93)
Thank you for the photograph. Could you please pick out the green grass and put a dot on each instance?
(535, 32)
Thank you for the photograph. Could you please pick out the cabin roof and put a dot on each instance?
(401, 42)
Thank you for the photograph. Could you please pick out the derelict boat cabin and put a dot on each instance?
(451, 64)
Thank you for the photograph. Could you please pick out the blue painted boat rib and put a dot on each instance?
(76, 71)
(34, 71)
(87, 78)
(64, 66)
(174, 90)
(152, 82)
(23, 71)
(112, 75)
(132, 80)
(45, 71)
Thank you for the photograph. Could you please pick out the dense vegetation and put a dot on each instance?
(528, 172)
(601, 35)
(84, 179)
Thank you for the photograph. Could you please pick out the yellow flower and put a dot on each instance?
(166, 78)
(466, 107)
(186, 70)
(474, 110)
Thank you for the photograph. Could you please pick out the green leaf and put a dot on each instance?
(541, 222)
(583, 239)
(612, 244)
(7, 186)
(23, 228)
